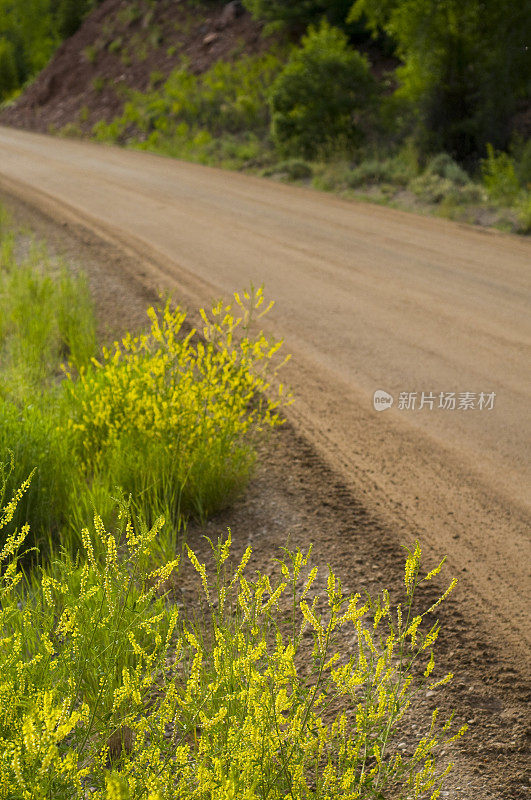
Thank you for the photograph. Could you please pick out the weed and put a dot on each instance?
(167, 417)
(523, 209)
(46, 316)
(129, 15)
(444, 166)
(393, 171)
(116, 45)
(99, 83)
(110, 689)
(70, 130)
(91, 53)
(84, 113)
(499, 176)
(294, 169)
(155, 79)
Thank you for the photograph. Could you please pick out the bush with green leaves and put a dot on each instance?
(521, 153)
(499, 176)
(214, 117)
(394, 171)
(317, 98)
(465, 66)
(298, 15)
(443, 180)
(444, 166)
(295, 169)
(8, 69)
(111, 691)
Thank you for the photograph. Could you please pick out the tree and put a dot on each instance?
(70, 15)
(465, 66)
(316, 97)
(8, 69)
(298, 14)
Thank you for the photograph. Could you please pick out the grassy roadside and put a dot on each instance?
(166, 416)
(109, 689)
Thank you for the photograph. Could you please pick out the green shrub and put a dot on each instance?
(31, 440)
(294, 168)
(522, 163)
(464, 67)
(213, 118)
(432, 188)
(173, 419)
(106, 685)
(70, 15)
(394, 171)
(315, 98)
(8, 69)
(116, 45)
(523, 208)
(499, 176)
(444, 166)
(298, 15)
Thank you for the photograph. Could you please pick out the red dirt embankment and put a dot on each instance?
(123, 45)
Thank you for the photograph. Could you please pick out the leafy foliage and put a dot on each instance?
(499, 176)
(298, 14)
(315, 99)
(70, 14)
(8, 69)
(32, 30)
(108, 688)
(169, 417)
(29, 27)
(230, 97)
(465, 65)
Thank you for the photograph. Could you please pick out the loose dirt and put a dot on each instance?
(303, 491)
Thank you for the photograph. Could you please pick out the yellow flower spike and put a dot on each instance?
(435, 571)
(447, 678)
(411, 568)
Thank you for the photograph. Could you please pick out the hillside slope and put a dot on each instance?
(129, 45)
(199, 81)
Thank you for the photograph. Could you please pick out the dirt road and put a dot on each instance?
(367, 298)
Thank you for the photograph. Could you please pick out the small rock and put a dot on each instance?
(210, 39)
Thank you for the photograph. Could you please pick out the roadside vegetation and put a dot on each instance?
(418, 105)
(112, 690)
(168, 416)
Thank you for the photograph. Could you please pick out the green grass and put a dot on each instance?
(169, 418)
(107, 685)
(220, 117)
(46, 317)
